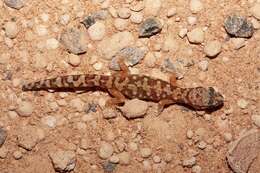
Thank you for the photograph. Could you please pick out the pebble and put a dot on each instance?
(109, 167)
(40, 61)
(183, 32)
(152, 7)
(136, 17)
(74, 60)
(150, 27)
(202, 145)
(124, 13)
(189, 134)
(3, 152)
(97, 31)
(98, 66)
(242, 103)
(74, 40)
(18, 155)
(203, 65)
(109, 113)
(50, 121)
(120, 24)
(138, 6)
(255, 10)
(3, 135)
(25, 109)
(196, 169)
(134, 108)
(196, 6)
(192, 20)
(228, 137)
(238, 43)
(239, 26)
(133, 146)
(170, 44)
(156, 159)
(212, 48)
(64, 19)
(131, 55)
(124, 158)
(108, 47)
(255, 118)
(16, 4)
(105, 151)
(171, 12)
(52, 43)
(114, 159)
(189, 162)
(77, 104)
(11, 29)
(256, 23)
(168, 157)
(63, 161)
(12, 114)
(196, 36)
(145, 152)
(28, 137)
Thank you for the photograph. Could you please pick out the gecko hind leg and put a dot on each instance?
(119, 98)
(164, 103)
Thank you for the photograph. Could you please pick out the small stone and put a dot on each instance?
(98, 66)
(3, 152)
(16, 4)
(239, 26)
(114, 159)
(228, 137)
(97, 31)
(28, 137)
(74, 40)
(189, 134)
(255, 10)
(11, 29)
(138, 6)
(183, 32)
(50, 121)
(109, 113)
(171, 12)
(170, 44)
(63, 161)
(3, 135)
(120, 24)
(124, 158)
(136, 17)
(145, 152)
(77, 104)
(238, 43)
(25, 109)
(196, 169)
(256, 23)
(52, 43)
(134, 108)
(124, 13)
(168, 157)
(133, 146)
(74, 60)
(149, 27)
(152, 7)
(150, 59)
(196, 6)
(189, 162)
(203, 65)
(64, 19)
(105, 151)
(192, 20)
(255, 118)
(242, 103)
(156, 159)
(202, 145)
(196, 36)
(17, 155)
(109, 167)
(12, 114)
(212, 48)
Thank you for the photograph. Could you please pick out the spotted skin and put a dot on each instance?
(135, 86)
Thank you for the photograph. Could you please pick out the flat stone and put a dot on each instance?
(106, 150)
(239, 26)
(25, 109)
(11, 29)
(149, 27)
(196, 36)
(134, 108)
(212, 48)
(28, 137)
(16, 4)
(63, 161)
(97, 31)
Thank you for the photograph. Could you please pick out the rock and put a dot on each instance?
(109, 113)
(124, 158)
(133, 146)
(192, 20)
(52, 43)
(25, 109)
(97, 31)
(156, 159)
(255, 10)
(124, 13)
(189, 162)
(150, 60)
(189, 134)
(3, 152)
(114, 159)
(242, 103)
(171, 12)
(145, 152)
(120, 24)
(170, 44)
(108, 47)
(183, 32)
(18, 155)
(63, 161)
(3, 135)
(134, 108)
(203, 65)
(243, 152)
(239, 26)
(138, 6)
(109, 167)
(136, 17)
(149, 27)
(212, 48)
(105, 151)
(238, 43)
(98, 66)
(228, 137)
(74, 60)
(131, 55)
(196, 36)
(11, 29)
(255, 118)
(202, 145)
(64, 19)
(50, 121)
(28, 137)
(152, 7)
(16, 4)
(196, 169)
(196, 6)
(74, 40)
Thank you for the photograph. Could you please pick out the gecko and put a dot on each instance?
(125, 85)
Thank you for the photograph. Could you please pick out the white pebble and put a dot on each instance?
(98, 66)
(52, 43)
(171, 12)
(189, 134)
(255, 10)
(196, 36)
(63, 161)
(145, 152)
(156, 159)
(203, 65)
(114, 159)
(97, 31)
(124, 13)
(196, 6)
(212, 48)
(242, 103)
(25, 109)
(202, 145)
(183, 32)
(64, 19)
(50, 121)
(105, 151)
(11, 29)
(120, 24)
(228, 137)
(74, 60)
(136, 17)
(192, 20)
(256, 120)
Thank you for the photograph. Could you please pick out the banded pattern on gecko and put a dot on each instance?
(134, 86)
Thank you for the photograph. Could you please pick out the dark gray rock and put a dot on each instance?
(3, 135)
(88, 21)
(239, 26)
(16, 4)
(149, 27)
(109, 167)
(91, 19)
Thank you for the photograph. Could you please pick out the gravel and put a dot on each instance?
(196, 169)
(196, 36)
(97, 31)
(183, 32)
(62, 160)
(212, 48)
(171, 12)
(120, 24)
(105, 151)
(109, 167)
(52, 43)
(11, 29)
(134, 108)
(49, 121)
(238, 43)
(77, 104)
(25, 109)
(3, 135)
(74, 40)
(150, 27)
(18, 155)
(239, 26)
(16, 4)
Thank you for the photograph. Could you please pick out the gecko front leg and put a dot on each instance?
(162, 104)
(119, 98)
(123, 67)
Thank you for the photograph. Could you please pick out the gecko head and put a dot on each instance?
(204, 98)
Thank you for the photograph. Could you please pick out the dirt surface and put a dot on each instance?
(69, 131)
